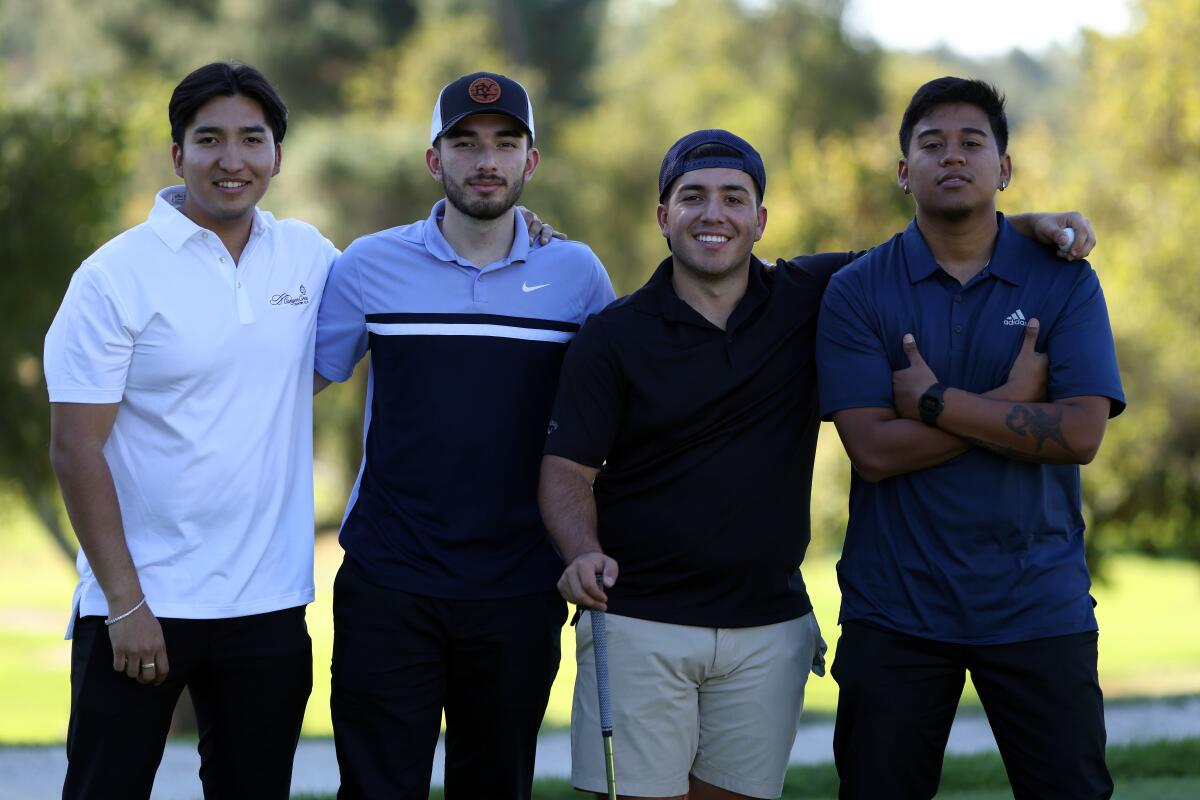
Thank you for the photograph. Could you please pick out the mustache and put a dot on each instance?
(481, 178)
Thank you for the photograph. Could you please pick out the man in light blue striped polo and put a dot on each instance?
(446, 599)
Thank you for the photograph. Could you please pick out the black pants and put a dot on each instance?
(898, 695)
(400, 659)
(249, 679)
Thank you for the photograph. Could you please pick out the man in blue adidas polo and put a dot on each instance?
(964, 550)
(446, 598)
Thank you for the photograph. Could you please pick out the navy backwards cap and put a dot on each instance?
(480, 93)
(676, 161)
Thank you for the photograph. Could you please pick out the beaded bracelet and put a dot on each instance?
(120, 617)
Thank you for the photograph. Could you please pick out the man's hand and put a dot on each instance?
(1050, 229)
(909, 384)
(538, 230)
(1030, 374)
(137, 643)
(578, 582)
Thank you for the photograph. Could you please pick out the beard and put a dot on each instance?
(954, 213)
(483, 208)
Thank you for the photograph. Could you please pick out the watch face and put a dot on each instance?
(930, 405)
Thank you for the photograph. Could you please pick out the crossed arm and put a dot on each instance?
(1012, 420)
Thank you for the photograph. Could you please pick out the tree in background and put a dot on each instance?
(63, 168)
(769, 72)
(1134, 153)
(307, 48)
(1114, 131)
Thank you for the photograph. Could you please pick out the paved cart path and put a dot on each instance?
(35, 773)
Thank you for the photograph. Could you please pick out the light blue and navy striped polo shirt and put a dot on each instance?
(464, 367)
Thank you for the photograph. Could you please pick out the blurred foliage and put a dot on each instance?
(1140, 128)
(63, 165)
(1113, 129)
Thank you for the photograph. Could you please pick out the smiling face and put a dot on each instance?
(483, 163)
(712, 218)
(952, 165)
(227, 158)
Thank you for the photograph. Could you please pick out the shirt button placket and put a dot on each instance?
(958, 347)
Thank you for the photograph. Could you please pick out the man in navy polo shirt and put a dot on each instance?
(964, 550)
(446, 598)
(677, 465)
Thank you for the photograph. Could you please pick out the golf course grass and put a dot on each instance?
(1144, 652)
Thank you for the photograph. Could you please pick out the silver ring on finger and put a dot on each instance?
(149, 665)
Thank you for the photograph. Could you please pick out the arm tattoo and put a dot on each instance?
(1007, 452)
(1038, 422)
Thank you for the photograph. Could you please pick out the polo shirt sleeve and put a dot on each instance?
(341, 320)
(600, 292)
(853, 369)
(90, 342)
(1083, 357)
(591, 396)
(821, 267)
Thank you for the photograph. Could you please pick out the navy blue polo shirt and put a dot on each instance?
(704, 439)
(464, 366)
(981, 549)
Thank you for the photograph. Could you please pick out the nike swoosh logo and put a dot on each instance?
(525, 287)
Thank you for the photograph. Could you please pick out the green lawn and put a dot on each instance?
(1159, 771)
(1149, 644)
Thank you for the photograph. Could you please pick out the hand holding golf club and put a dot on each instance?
(579, 585)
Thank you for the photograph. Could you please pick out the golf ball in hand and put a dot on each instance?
(1070, 239)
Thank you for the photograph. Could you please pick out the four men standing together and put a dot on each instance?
(677, 466)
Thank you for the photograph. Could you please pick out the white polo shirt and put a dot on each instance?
(212, 365)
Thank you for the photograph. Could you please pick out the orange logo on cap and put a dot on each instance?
(484, 90)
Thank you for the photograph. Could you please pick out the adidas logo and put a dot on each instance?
(1015, 318)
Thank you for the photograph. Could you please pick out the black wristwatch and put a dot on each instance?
(931, 404)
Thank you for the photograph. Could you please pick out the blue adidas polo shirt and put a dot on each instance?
(464, 368)
(981, 549)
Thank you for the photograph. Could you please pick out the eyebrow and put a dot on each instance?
(215, 129)
(729, 187)
(464, 133)
(939, 132)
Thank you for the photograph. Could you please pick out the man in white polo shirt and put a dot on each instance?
(180, 372)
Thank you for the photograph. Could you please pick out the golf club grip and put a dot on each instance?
(600, 650)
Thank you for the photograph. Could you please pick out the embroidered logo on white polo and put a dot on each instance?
(285, 299)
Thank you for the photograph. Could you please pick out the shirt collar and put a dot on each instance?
(1005, 262)
(658, 297)
(168, 221)
(439, 247)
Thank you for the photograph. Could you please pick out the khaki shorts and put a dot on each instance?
(722, 704)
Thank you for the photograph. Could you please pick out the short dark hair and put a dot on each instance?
(944, 91)
(222, 79)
